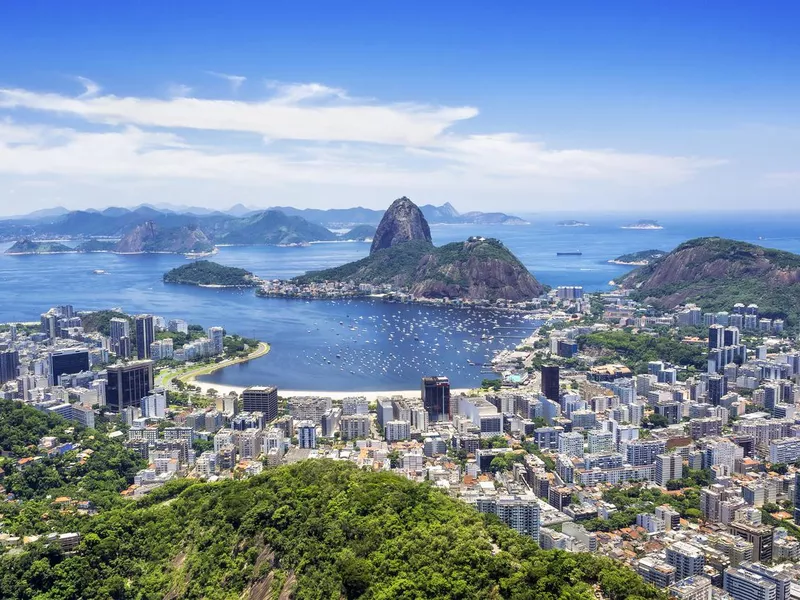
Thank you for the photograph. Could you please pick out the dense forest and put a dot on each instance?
(313, 530)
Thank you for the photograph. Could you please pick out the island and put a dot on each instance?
(150, 238)
(359, 233)
(638, 259)
(205, 273)
(403, 260)
(572, 223)
(27, 246)
(643, 224)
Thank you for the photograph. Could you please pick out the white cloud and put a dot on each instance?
(90, 87)
(236, 81)
(179, 90)
(305, 133)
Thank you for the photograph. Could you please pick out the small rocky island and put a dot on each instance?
(638, 259)
(572, 223)
(643, 224)
(204, 273)
(403, 259)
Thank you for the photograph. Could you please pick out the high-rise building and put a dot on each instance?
(518, 512)
(782, 580)
(551, 385)
(9, 364)
(436, 398)
(261, 399)
(217, 337)
(687, 559)
(717, 387)
(354, 426)
(744, 585)
(306, 434)
(395, 431)
(797, 498)
(668, 467)
(716, 337)
(67, 362)
(128, 383)
(145, 335)
(120, 328)
(731, 336)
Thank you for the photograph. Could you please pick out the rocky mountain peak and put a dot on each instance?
(402, 222)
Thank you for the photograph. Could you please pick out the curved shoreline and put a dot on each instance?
(189, 376)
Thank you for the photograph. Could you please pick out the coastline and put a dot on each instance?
(635, 263)
(189, 376)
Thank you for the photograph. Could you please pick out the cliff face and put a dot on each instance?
(148, 237)
(402, 222)
(715, 273)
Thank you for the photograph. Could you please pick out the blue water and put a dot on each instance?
(299, 359)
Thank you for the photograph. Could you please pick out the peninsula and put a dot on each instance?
(638, 259)
(204, 273)
(404, 260)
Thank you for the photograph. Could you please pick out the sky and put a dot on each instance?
(523, 107)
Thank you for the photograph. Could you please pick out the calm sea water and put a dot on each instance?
(375, 343)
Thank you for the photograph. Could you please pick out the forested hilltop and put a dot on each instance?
(207, 273)
(313, 530)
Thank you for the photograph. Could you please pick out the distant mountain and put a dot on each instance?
(97, 246)
(715, 273)
(150, 238)
(240, 210)
(272, 227)
(45, 213)
(26, 246)
(359, 232)
(402, 255)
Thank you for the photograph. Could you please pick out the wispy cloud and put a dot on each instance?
(91, 89)
(179, 90)
(319, 134)
(236, 81)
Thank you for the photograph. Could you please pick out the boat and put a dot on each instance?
(576, 253)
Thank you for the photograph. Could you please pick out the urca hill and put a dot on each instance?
(716, 273)
(404, 256)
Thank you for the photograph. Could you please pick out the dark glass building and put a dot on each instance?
(145, 335)
(551, 385)
(128, 383)
(436, 398)
(9, 363)
(262, 400)
(68, 362)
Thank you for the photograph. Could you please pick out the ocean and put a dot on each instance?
(376, 346)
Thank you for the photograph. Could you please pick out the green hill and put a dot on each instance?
(97, 246)
(207, 273)
(314, 530)
(273, 227)
(643, 257)
(715, 273)
(27, 246)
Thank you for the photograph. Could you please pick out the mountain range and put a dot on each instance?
(271, 226)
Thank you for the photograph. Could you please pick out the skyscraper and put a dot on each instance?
(550, 382)
(9, 363)
(436, 398)
(797, 498)
(119, 328)
(145, 335)
(68, 362)
(717, 388)
(716, 337)
(261, 399)
(217, 337)
(128, 384)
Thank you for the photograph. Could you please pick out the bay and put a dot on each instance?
(30, 285)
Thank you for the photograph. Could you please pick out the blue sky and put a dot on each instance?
(563, 106)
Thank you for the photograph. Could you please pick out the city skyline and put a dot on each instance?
(536, 109)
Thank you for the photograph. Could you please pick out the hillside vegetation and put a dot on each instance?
(206, 272)
(716, 273)
(313, 530)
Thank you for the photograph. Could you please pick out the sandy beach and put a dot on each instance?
(372, 396)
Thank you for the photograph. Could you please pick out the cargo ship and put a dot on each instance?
(576, 253)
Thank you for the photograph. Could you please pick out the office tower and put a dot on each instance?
(9, 365)
(731, 336)
(744, 585)
(668, 467)
(306, 434)
(717, 388)
(128, 384)
(550, 382)
(145, 335)
(262, 400)
(716, 337)
(67, 362)
(687, 559)
(436, 398)
(217, 337)
(118, 329)
(125, 348)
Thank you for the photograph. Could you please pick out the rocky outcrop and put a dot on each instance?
(402, 222)
(150, 238)
(27, 246)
